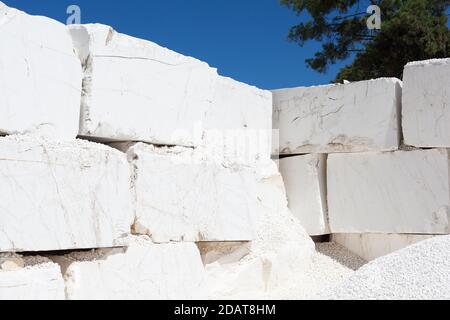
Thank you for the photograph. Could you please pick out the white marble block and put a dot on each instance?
(140, 271)
(305, 180)
(135, 90)
(371, 246)
(38, 279)
(40, 77)
(426, 103)
(57, 196)
(404, 192)
(355, 117)
(180, 196)
(238, 125)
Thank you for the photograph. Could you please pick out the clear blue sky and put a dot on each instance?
(244, 39)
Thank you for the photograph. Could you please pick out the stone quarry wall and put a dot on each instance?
(130, 171)
(368, 162)
(120, 160)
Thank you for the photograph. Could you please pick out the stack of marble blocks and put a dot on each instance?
(368, 162)
(118, 157)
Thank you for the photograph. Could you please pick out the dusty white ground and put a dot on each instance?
(331, 265)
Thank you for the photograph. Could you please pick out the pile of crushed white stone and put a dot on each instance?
(129, 171)
(421, 271)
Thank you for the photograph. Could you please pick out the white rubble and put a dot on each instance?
(135, 90)
(281, 247)
(305, 181)
(404, 192)
(57, 196)
(371, 246)
(426, 100)
(181, 197)
(355, 117)
(419, 272)
(140, 271)
(238, 124)
(40, 77)
(330, 266)
(37, 279)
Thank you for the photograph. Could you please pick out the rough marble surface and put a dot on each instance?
(238, 125)
(142, 271)
(36, 281)
(426, 103)
(56, 196)
(180, 196)
(355, 117)
(404, 192)
(135, 90)
(371, 246)
(305, 180)
(40, 77)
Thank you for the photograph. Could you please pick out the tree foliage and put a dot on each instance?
(411, 30)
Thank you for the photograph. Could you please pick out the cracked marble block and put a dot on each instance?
(426, 103)
(371, 246)
(140, 271)
(355, 117)
(38, 279)
(238, 125)
(305, 180)
(40, 77)
(61, 196)
(135, 90)
(404, 192)
(180, 196)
